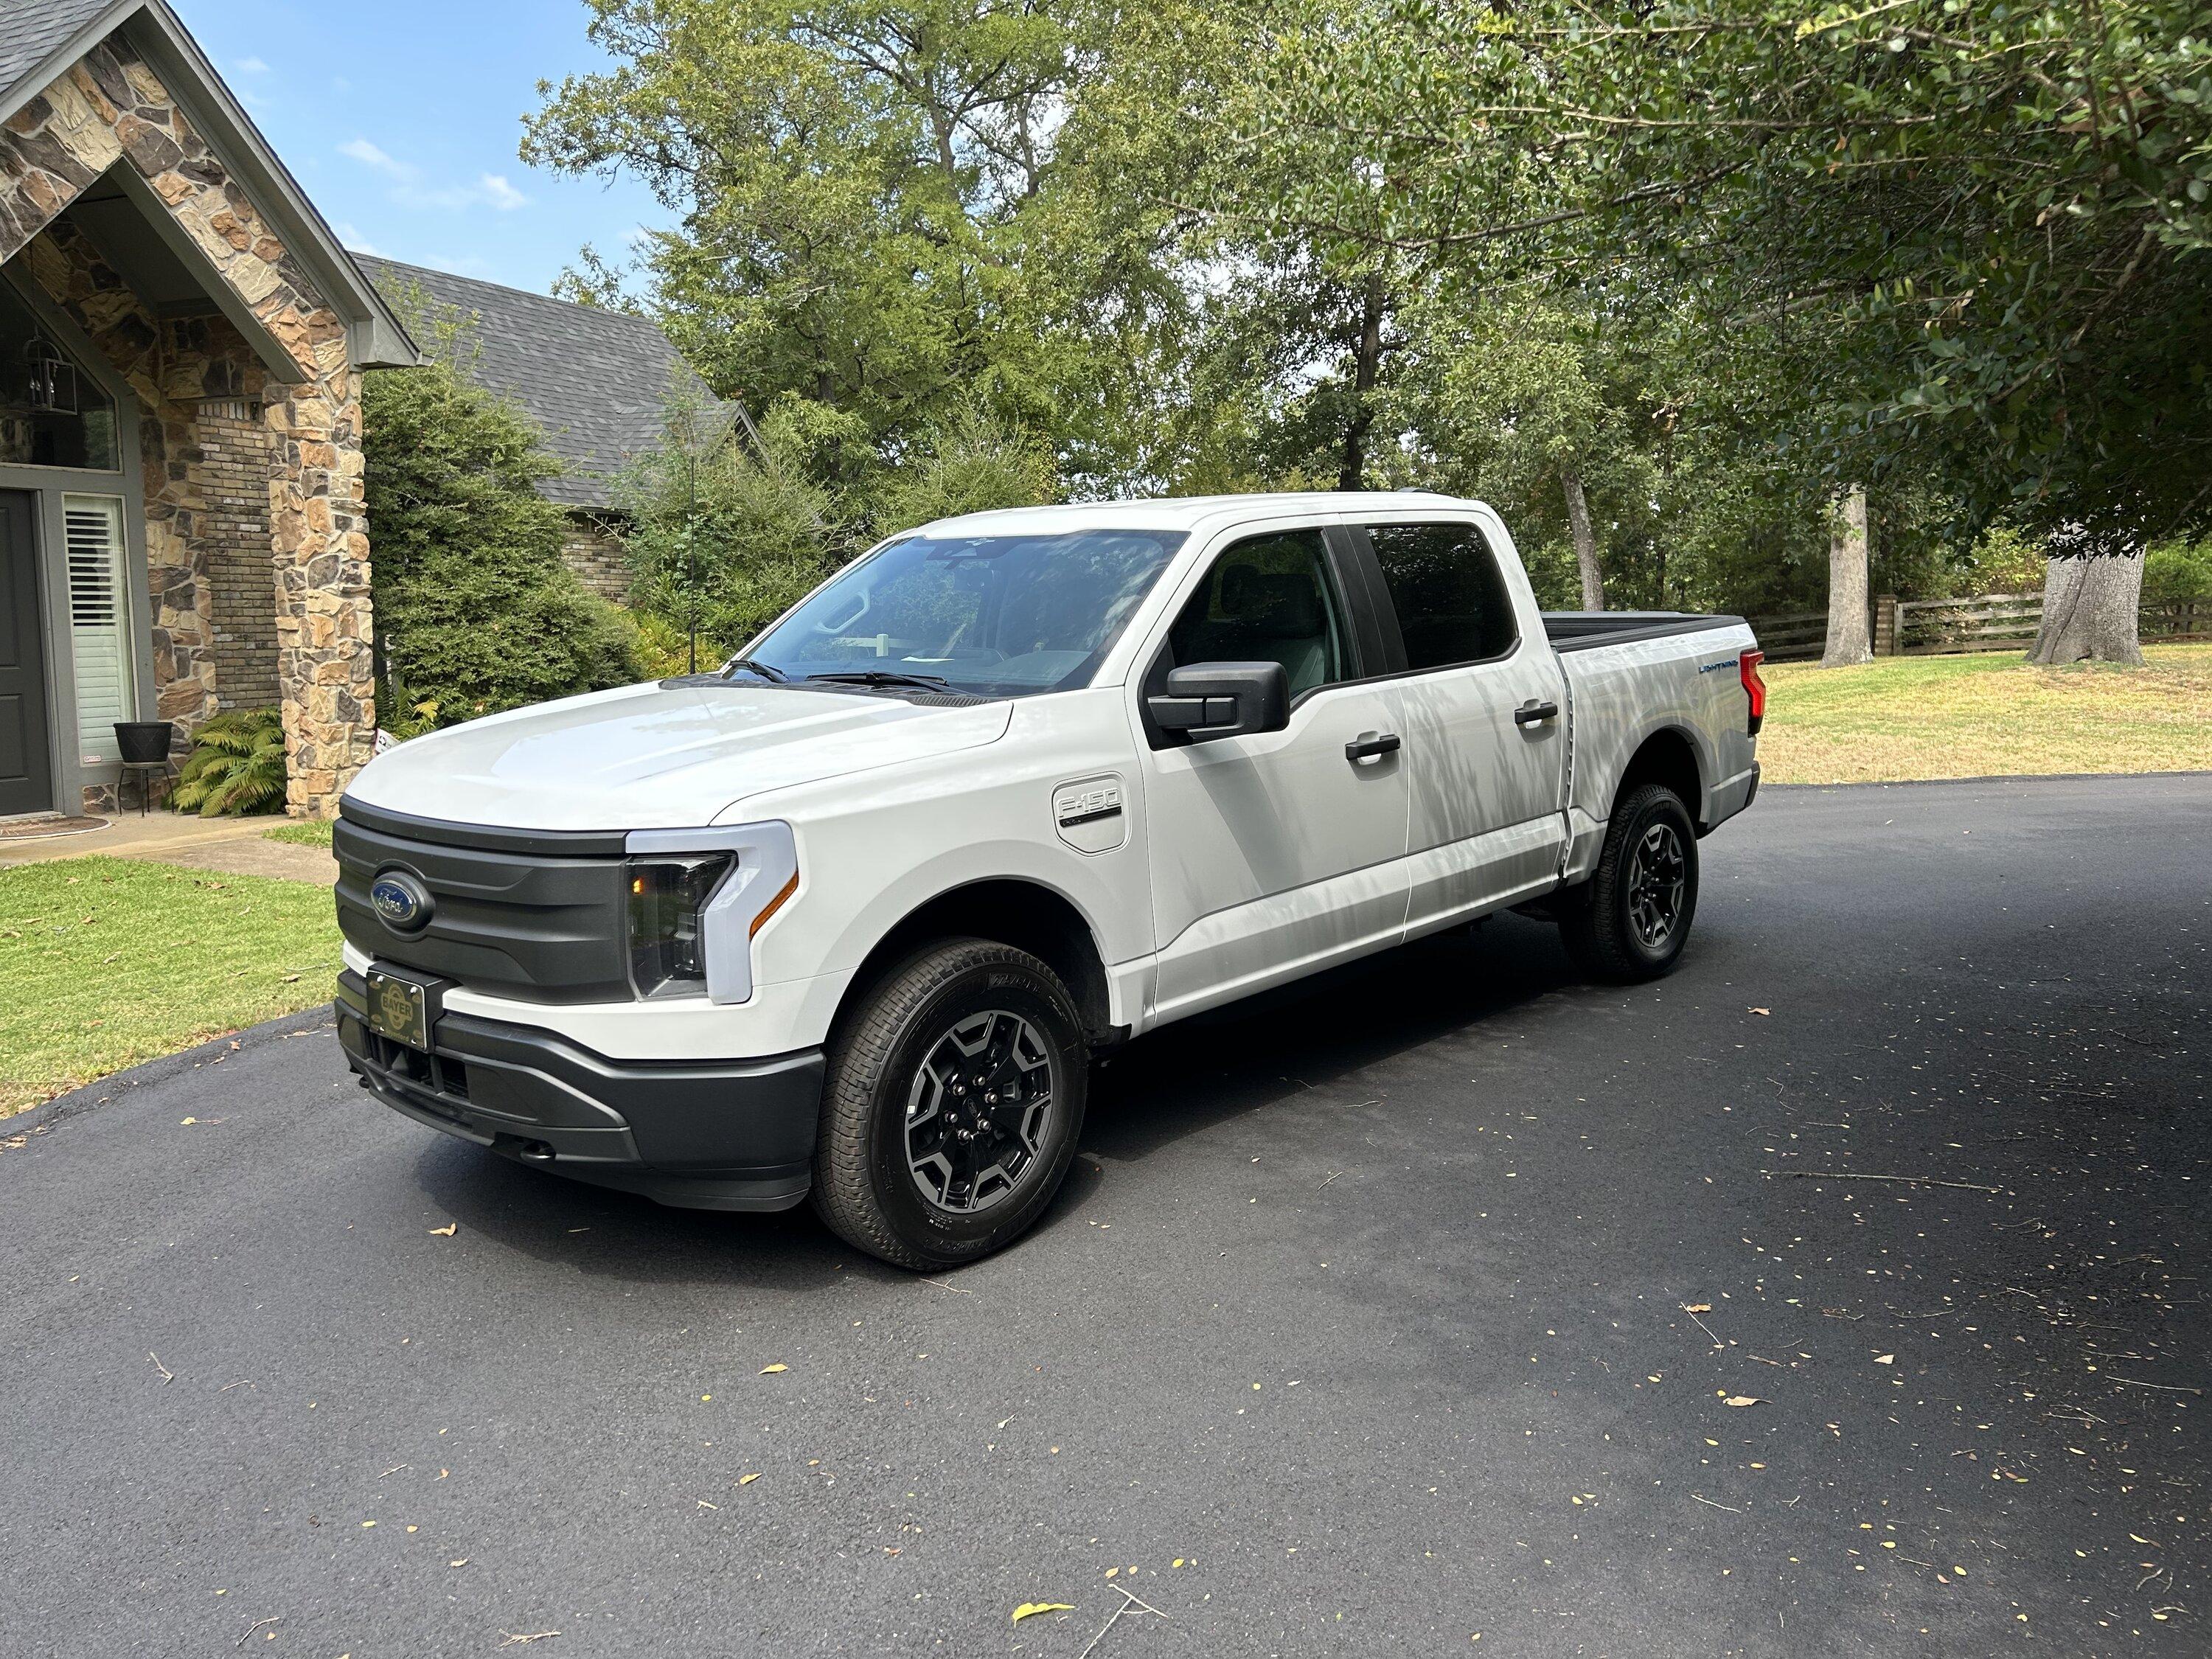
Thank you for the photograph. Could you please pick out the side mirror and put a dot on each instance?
(1209, 700)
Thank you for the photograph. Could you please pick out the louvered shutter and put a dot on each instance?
(99, 623)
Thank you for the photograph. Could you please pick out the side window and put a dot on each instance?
(1268, 599)
(1453, 605)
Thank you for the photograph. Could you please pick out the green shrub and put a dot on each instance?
(476, 611)
(236, 766)
(2178, 572)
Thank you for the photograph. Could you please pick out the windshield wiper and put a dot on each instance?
(767, 672)
(885, 677)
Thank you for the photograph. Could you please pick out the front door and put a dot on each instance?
(26, 783)
(1276, 853)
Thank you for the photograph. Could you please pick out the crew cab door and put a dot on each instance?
(1273, 854)
(1480, 701)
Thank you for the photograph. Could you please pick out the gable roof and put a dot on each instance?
(597, 381)
(40, 38)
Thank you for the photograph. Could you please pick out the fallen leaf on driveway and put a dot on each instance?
(447, 1231)
(186, 1122)
(769, 1371)
(1885, 1358)
(1697, 1307)
(747, 1479)
(1029, 1609)
(1768, 1011)
(1743, 1400)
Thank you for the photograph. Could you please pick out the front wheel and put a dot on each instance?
(954, 1099)
(1630, 920)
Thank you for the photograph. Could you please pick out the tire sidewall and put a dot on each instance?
(1659, 805)
(1019, 990)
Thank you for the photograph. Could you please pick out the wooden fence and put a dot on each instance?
(1989, 622)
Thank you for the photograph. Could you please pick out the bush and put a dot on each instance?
(476, 611)
(971, 465)
(2178, 572)
(236, 766)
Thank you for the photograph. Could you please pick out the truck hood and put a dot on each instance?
(658, 756)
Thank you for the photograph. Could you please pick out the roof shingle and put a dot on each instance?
(597, 381)
(31, 31)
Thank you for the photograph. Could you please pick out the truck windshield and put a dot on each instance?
(993, 616)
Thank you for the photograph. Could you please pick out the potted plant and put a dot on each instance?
(144, 743)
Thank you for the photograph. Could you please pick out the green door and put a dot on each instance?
(27, 782)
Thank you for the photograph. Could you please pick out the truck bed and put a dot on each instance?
(1580, 630)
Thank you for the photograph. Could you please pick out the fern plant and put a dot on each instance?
(236, 766)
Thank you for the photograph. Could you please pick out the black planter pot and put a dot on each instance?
(144, 743)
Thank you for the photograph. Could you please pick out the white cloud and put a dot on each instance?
(251, 66)
(356, 241)
(370, 157)
(500, 194)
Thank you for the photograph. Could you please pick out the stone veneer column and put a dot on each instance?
(111, 108)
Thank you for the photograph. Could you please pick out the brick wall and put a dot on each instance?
(592, 549)
(229, 467)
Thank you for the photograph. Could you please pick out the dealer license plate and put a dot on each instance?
(400, 1009)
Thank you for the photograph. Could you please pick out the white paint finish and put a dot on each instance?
(651, 757)
(1236, 865)
(1252, 837)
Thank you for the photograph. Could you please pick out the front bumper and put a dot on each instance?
(732, 1135)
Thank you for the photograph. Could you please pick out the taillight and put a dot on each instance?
(1754, 687)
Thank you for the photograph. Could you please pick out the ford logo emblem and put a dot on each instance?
(401, 901)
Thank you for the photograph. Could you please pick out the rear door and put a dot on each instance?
(1480, 702)
(1276, 853)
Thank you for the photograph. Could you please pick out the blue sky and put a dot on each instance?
(400, 119)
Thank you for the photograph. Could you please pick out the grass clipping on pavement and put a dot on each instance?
(1989, 715)
(109, 963)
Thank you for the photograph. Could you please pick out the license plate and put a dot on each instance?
(398, 1009)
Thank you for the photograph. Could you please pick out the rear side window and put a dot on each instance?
(1452, 601)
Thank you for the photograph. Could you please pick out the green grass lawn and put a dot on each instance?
(307, 832)
(108, 962)
(1990, 715)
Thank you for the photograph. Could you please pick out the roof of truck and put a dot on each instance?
(1189, 513)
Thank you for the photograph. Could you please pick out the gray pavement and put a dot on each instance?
(1402, 1307)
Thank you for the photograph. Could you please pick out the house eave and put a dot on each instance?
(377, 339)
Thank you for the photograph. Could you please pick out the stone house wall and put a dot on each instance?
(109, 110)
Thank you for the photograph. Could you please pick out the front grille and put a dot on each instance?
(542, 926)
(418, 1073)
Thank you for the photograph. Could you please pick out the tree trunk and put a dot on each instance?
(1366, 366)
(1848, 641)
(1578, 524)
(2090, 610)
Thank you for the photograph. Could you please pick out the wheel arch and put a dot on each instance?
(1015, 910)
(1668, 756)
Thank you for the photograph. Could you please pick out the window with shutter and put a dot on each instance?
(100, 624)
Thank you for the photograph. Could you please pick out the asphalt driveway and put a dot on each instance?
(1413, 1307)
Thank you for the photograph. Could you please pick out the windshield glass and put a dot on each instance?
(995, 615)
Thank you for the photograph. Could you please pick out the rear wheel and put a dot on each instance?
(1630, 920)
(954, 1099)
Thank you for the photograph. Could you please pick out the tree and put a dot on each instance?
(1988, 214)
(727, 527)
(858, 187)
(1847, 644)
(972, 464)
(475, 608)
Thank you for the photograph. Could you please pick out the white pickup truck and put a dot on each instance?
(851, 916)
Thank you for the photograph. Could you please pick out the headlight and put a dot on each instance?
(667, 953)
(696, 898)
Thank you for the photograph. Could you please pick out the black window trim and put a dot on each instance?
(1349, 586)
(1387, 608)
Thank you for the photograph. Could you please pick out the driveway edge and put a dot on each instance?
(102, 1092)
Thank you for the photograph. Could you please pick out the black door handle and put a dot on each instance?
(1360, 749)
(1529, 712)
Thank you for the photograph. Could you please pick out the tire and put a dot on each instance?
(966, 1021)
(1630, 920)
